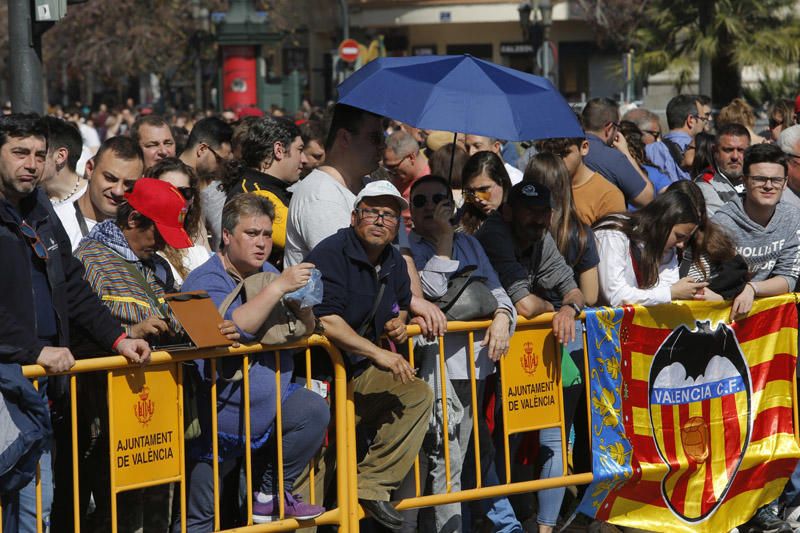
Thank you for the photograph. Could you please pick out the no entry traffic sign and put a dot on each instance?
(348, 50)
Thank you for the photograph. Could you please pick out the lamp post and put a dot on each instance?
(535, 21)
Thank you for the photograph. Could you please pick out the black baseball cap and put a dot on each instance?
(530, 194)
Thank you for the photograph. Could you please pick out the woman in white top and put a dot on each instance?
(183, 178)
(639, 252)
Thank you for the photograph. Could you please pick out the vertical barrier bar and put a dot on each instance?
(113, 474)
(215, 442)
(564, 429)
(248, 456)
(311, 470)
(351, 462)
(476, 409)
(279, 434)
(504, 405)
(181, 445)
(38, 481)
(417, 481)
(349, 506)
(588, 387)
(445, 421)
(73, 416)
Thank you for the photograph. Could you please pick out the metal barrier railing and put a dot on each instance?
(538, 331)
(348, 512)
(161, 362)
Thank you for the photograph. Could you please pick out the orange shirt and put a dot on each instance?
(597, 198)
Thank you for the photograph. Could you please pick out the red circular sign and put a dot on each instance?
(348, 50)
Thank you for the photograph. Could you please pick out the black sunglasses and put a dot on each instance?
(34, 240)
(420, 200)
(187, 193)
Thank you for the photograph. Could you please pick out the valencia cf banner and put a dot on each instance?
(692, 418)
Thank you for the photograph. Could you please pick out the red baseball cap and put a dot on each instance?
(165, 206)
(250, 111)
(797, 104)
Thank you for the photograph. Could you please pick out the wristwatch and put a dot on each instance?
(576, 307)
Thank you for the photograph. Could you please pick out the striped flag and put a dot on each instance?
(692, 417)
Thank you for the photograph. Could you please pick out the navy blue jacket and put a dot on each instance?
(25, 426)
(351, 282)
(74, 302)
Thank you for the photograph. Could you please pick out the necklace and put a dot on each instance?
(74, 190)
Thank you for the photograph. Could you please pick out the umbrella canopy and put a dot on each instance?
(461, 94)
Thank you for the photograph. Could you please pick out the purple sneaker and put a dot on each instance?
(293, 507)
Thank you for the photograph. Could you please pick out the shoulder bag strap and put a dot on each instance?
(81, 220)
(362, 329)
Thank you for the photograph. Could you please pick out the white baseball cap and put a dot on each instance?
(381, 188)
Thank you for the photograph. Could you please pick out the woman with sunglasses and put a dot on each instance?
(441, 254)
(183, 178)
(485, 185)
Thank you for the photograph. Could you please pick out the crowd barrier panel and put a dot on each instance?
(533, 363)
(158, 385)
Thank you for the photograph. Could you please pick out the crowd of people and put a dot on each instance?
(100, 218)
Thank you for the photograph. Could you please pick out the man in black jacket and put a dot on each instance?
(41, 282)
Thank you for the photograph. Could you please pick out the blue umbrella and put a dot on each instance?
(461, 94)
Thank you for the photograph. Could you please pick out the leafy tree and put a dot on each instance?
(723, 36)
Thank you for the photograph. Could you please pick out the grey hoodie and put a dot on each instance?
(771, 251)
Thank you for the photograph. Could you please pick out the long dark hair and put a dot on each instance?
(490, 164)
(549, 170)
(709, 240)
(650, 227)
(703, 154)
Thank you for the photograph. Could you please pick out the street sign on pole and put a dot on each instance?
(348, 50)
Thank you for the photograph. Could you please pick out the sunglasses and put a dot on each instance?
(34, 240)
(654, 133)
(187, 193)
(421, 200)
(478, 193)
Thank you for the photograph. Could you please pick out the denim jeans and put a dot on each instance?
(19, 510)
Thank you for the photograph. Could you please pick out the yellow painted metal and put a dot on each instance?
(476, 409)
(38, 483)
(181, 446)
(279, 434)
(248, 454)
(312, 484)
(111, 440)
(73, 416)
(417, 481)
(215, 442)
(354, 509)
(445, 422)
(146, 484)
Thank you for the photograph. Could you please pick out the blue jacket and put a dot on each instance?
(351, 282)
(24, 427)
(76, 305)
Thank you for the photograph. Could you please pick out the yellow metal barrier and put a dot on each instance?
(168, 367)
(348, 513)
(538, 332)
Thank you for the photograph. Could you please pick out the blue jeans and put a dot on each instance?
(19, 510)
(552, 466)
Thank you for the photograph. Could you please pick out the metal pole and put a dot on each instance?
(345, 19)
(25, 59)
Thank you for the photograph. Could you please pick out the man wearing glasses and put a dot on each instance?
(367, 295)
(764, 230)
(686, 118)
(789, 142)
(44, 297)
(207, 150)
